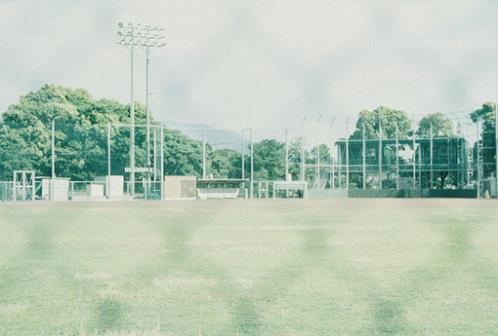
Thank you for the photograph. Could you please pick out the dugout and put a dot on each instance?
(221, 188)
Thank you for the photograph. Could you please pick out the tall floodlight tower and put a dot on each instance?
(152, 38)
(133, 35)
(129, 37)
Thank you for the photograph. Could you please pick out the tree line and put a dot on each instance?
(81, 138)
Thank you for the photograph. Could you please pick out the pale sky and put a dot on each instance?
(235, 64)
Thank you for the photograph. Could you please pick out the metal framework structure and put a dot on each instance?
(132, 35)
(24, 185)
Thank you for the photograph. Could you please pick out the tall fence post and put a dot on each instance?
(479, 165)
(242, 151)
(108, 180)
(53, 149)
(380, 155)
(318, 168)
(431, 156)
(363, 157)
(414, 157)
(251, 187)
(162, 162)
(397, 157)
(347, 154)
(53, 162)
(303, 158)
(496, 149)
(203, 154)
(286, 154)
(332, 169)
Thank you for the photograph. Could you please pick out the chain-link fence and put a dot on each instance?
(97, 161)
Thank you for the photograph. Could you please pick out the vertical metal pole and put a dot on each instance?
(347, 154)
(332, 169)
(108, 180)
(431, 157)
(496, 149)
(53, 162)
(478, 160)
(33, 186)
(303, 157)
(14, 187)
(414, 158)
(363, 157)
(162, 161)
(147, 112)
(251, 187)
(53, 149)
(242, 151)
(203, 154)
(154, 153)
(397, 158)
(109, 149)
(318, 168)
(132, 128)
(420, 164)
(286, 154)
(339, 166)
(380, 155)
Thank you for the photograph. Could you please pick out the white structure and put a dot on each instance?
(219, 188)
(55, 189)
(113, 185)
(95, 191)
(290, 186)
(24, 185)
(180, 187)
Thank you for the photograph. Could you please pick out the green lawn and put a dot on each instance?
(286, 267)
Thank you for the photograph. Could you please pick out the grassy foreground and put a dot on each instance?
(287, 267)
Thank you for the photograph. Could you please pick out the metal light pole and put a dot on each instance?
(132, 35)
(151, 39)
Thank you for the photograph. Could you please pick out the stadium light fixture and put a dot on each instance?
(132, 35)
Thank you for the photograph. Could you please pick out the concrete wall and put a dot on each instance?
(180, 187)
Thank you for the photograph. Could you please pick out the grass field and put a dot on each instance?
(288, 267)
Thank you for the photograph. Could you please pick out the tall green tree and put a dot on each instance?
(269, 160)
(441, 126)
(81, 136)
(382, 118)
(486, 116)
(225, 163)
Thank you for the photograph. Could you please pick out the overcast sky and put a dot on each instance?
(263, 63)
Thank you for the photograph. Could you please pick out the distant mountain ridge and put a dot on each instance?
(217, 138)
